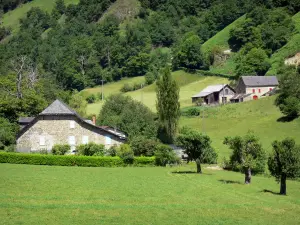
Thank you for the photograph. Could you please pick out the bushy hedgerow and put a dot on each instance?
(67, 160)
(91, 149)
(60, 149)
(143, 146)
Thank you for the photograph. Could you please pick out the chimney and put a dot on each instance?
(94, 120)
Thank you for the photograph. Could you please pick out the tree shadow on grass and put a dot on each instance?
(269, 191)
(190, 172)
(230, 182)
(287, 119)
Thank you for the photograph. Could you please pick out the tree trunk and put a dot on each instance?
(198, 166)
(248, 176)
(283, 184)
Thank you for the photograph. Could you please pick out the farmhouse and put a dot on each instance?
(59, 124)
(215, 94)
(254, 87)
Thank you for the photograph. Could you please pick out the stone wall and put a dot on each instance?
(263, 90)
(57, 130)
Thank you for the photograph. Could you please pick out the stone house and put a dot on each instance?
(215, 94)
(254, 87)
(59, 124)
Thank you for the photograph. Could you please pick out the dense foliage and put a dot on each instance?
(164, 155)
(60, 149)
(247, 156)
(90, 149)
(132, 117)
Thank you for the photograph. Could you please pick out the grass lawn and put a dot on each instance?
(73, 195)
(237, 119)
(190, 84)
(11, 18)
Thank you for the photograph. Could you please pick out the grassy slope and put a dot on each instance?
(11, 19)
(123, 9)
(221, 40)
(290, 49)
(237, 119)
(70, 195)
(190, 84)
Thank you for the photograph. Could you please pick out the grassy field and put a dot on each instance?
(12, 18)
(70, 195)
(190, 85)
(290, 49)
(261, 117)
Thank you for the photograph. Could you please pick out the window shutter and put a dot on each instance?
(85, 140)
(42, 140)
(72, 124)
(107, 140)
(71, 140)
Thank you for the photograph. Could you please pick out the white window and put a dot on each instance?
(72, 124)
(72, 140)
(107, 140)
(42, 140)
(85, 140)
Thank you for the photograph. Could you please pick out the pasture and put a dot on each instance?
(73, 195)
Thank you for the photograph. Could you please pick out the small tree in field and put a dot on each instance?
(197, 146)
(284, 162)
(247, 154)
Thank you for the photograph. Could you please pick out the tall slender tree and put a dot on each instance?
(168, 106)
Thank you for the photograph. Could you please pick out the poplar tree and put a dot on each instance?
(167, 105)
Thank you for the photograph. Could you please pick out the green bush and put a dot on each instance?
(112, 151)
(42, 152)
(164, 155)
(71, 160)
(143, 146)
(60, 149)
(91, 149)
(91, 98)
(127, 87)
(10, 148)
(150, 78)
(126, 154)
(191, 112)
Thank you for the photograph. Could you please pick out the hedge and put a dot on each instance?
(65, 160)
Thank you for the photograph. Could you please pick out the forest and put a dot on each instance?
(54, 55)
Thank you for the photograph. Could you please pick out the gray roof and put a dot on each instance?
(239, 96)
(209, 90)
(25, 119)
(58, 108)
(258, 81)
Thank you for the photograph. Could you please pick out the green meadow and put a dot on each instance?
(176, 195)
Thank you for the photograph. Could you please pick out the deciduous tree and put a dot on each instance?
(284, 162)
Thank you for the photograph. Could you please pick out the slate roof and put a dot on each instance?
(209, 90)
(260, 81)
(58, 108)
(25, 120)
(239, 96)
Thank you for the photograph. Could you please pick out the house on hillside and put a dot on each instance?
(254, 87)
(59, 124)
(215, 94)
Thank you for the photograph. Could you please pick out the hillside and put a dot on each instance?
(261, 116)
(190, 84)
(289, 50)
(11, 18)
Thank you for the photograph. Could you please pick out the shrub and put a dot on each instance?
(191, 112)
(150, 78)
(199, 102)
(91, 149)
(164, 155)
(127, 87)
(112, 151)
(143, 146)
(91, 98)
(10, 148)
(68, 160)
(60, 149)
(99, 96)
(42, 152)
(126, 153)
